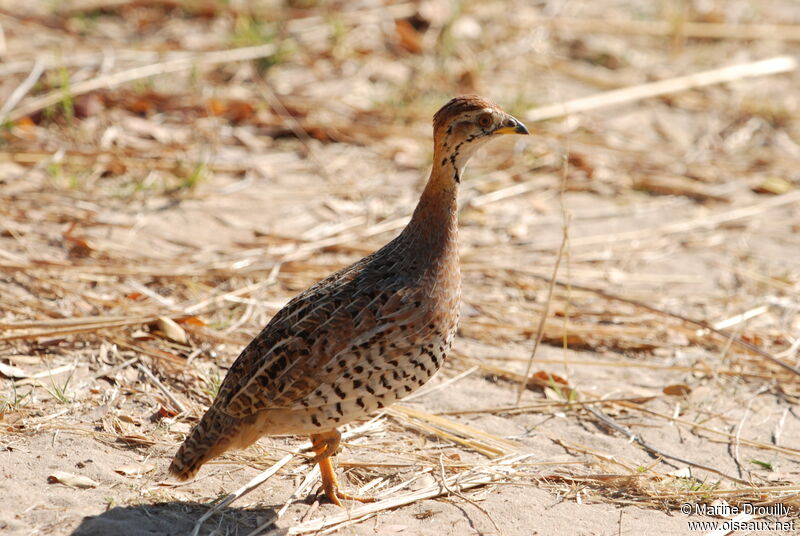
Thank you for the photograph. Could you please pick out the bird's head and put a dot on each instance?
(467, 122)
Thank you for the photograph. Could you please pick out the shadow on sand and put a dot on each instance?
(171, 519)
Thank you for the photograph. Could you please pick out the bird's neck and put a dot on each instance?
(434, 224)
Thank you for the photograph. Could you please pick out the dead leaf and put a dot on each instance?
(192, 321)
(552, 394)
(676, 185)
(136, 439)
(677, 389)
(235, 111)
(10, 371)
(129, 419)
(408, 35)
(11, 418)
(78, 245)
(774, 185)
(216, 106)
(545, 378)
(73, 481)
(25, 128)
(164, 412)
(555, 387)
(683, 472)
(172, 330)
(142, 335)
(239, 111)
(134, 469)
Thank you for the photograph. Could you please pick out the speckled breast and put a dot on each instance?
(384, 365)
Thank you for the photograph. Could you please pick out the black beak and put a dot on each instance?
(512, 126)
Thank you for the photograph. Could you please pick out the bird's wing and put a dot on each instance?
(313, 340)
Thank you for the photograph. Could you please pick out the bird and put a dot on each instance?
(365, 336)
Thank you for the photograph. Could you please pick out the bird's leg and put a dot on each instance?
(324, 446)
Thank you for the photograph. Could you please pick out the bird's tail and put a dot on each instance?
(212, 436)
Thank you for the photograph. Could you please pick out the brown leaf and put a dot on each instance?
(78, 246)
(192, 321)
(129, 419)
(676, 185)
(114, 168)
(235, 111)
(409, 37)
(216, 107)
(25, 127)
(546, 378)
(677, 389)
(164, 412)
(239, 111)
(555, 387)
(142, 106)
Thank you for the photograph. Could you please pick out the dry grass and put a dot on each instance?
(171, 174)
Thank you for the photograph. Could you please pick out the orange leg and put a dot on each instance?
(325, 446)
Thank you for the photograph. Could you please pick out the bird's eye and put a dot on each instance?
(485, 120)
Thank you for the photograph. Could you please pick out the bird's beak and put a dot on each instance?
(512, 125)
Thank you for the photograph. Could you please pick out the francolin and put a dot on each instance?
(364, 337)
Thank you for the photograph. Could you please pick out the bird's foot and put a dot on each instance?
(336, 496)
(324, 446)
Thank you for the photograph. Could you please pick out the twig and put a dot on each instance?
(501, 194)
(464, 481)
(699, 323)
(294, 125)
(778, 64)
(543, 318)
(22, 89)
(742, 317)
(678, 227)
(792, 488)
(161, 387)
(490, 445)
(266, 475)
(146, 71)
(695, 425)
(708, 30)
(81, 327)
(776, 434)
(56, 322)
(549, 405)
(611, 423)
(312, 475)
(111, 370)
(244, 490)
(738, 436)
(247, 289)
(464, 497)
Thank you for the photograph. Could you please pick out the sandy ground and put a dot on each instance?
(687, 204)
